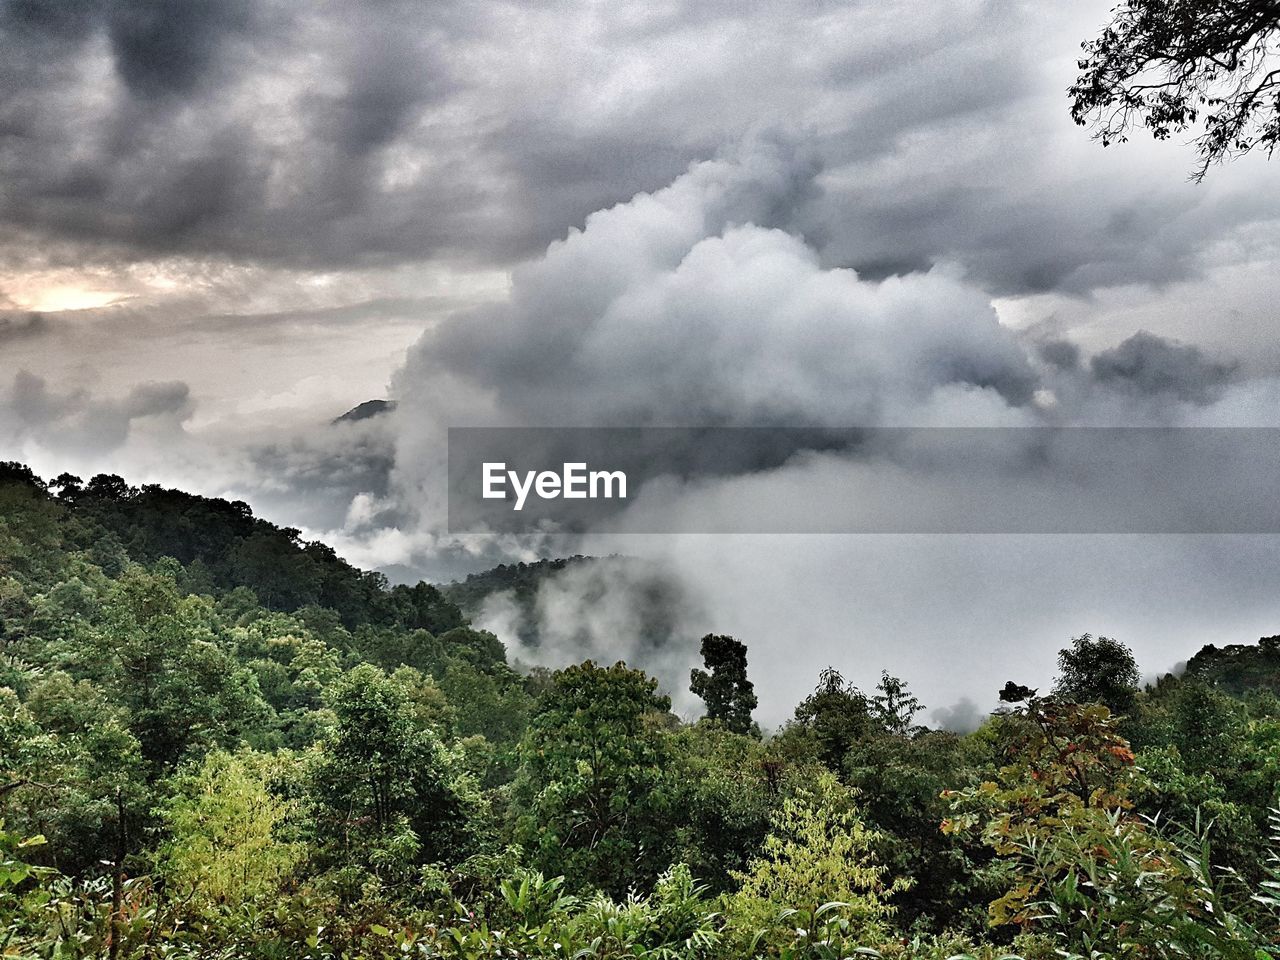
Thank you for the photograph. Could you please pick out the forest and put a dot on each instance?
(218, 740)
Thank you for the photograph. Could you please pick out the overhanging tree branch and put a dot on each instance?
(1205, 67)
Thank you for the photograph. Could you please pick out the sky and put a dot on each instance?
(225, 222)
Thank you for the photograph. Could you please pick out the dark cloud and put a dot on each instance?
(236, 128)
(665, 311)
(63, 21)
(16, 325)
(377, 131)
(316, 476)
(81, 424)
(153, 399)
(1062, 354)
(160, 49)
(166, 48)
(32, 403)
(1151, 365)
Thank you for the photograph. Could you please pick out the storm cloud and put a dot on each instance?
(691, 306)
(18, 325)
(81, 424)
(378, 131)
(677, 307)
(1148, 364)
(685, 307)
(226, 222)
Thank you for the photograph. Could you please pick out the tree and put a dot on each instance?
(894, 705)
(384, 778)
(818, 851)
(225, 827)
(1178, 65)
(1208, 728)
(1013, 692)
(282, 576)
(67, 485)
(181, 687)
(899, 782)
(723, 686)
(1077, 861)
(837, 714)
(424, 607)
(722, 789)
(1098, 670)
(496, 708)
(590, 785)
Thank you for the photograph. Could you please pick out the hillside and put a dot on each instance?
(220, 545)
(523, 580)
(220, 741)
(81, 562)
(1239, 668)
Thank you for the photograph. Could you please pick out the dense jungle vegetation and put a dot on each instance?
(219, 741)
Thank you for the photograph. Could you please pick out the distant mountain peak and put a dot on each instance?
(370, 408)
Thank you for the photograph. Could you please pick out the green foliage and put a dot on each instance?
(900, 781)
(676, 922)
(836, 715)
(1098, 670)
(161, 660)
(1238, 668)
(818, 852)
(15, 871)
(1069, 773)
(894, 705)
(227, 830)
(489, 704)
(234, 745)
(724, 787)
(18, 900)
(1080, 865)
(67, 764)
(591, 782)
(1208, 756)
(386, 790)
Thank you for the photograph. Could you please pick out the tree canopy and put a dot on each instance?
(210, 755)
(1098, 670)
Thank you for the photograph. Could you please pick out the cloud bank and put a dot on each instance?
(225, 222)
(343, 134)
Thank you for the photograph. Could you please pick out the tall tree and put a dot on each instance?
(723, 686)
(1178, 65)
(1098, 670)
(590, 785)
(837, 715)
(895, 706)
(380, 774)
